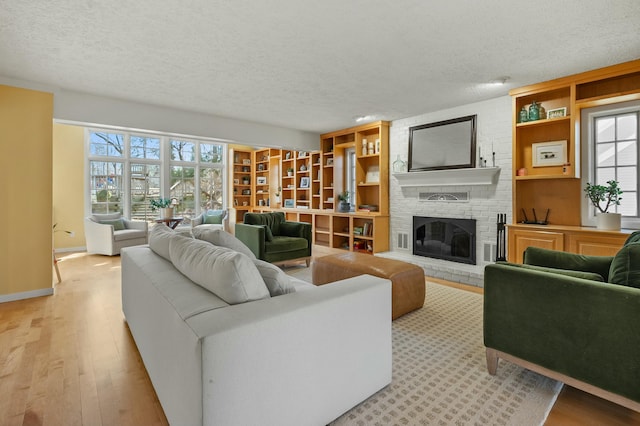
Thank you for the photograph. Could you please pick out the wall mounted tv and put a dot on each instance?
(449, 144)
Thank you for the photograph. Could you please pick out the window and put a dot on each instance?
(350, 178)
(127, 170)
(612, 154)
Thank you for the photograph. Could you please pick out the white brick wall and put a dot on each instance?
(486, 201)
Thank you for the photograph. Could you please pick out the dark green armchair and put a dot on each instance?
(274, 239)
(570, 317)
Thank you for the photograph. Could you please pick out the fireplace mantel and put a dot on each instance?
(451, 177)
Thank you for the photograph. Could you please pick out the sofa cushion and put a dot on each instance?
(277, 281)
(284, 244)
(129, 234)
(625, 268)
(228, 274)
(213, 217)
(118, 224)
(222, 238)
(159, 238)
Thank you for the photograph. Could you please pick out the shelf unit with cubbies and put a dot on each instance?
(558, 187)
(261, 178)
(303, 180)
(240, 181)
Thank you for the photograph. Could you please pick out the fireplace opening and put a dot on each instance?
(445, 238)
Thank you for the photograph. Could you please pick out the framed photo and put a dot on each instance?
(545, 154)
(246, 161)
(304, 182)
(329, 161)
(260, 167)
(236, 181)
(557, 112)
(288, 202)
(287, 156)
(246, 192)
(261, 180)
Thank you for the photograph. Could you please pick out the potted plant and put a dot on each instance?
(290, 171)
(164, 205)
(344, 205)
(602, 197)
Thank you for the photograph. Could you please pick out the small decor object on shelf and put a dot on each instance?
(303, 168)
(290, 171)
(610, 195)
(557, 112)
(523, 116)
(377, 146)
(534, 111)
(304, 182)
(288, 203)
(364, 147)
(246, 161)
(344, 205)
(399, 166)
(329, 161)
(261, 180)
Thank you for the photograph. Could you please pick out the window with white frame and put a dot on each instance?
(611, 153)
(350, 175)
(127, 170)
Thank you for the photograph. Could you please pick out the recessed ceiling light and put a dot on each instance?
(362, 118)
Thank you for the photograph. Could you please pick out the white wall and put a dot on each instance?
(486, 201)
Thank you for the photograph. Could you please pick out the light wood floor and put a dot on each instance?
(69, 359)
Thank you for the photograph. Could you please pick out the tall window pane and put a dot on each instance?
(144, 147)
(106, 186)
(145, 185)
(183, 150)
(210, 189)
(616, 157)
(106, 144)
(183, 190)
(211, 153)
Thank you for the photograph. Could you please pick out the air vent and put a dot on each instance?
(403, 240)
(489, 250)
(444, 196)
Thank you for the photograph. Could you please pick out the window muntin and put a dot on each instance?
(145, 147)
(183, 150)
(144, 186)
(182, 192)
(106, 186)
(211, 153)
(106, 144)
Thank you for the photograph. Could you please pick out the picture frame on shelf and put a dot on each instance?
(236, 181)
(557, 112)
(288, 203)
(304, 182)
(260, 167)
(246, 192)
(329, 161)
(287, 156)
(246, 161)
(546, 154)
(261, 180)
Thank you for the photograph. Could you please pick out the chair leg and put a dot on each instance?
(492, 361)
(307, 261)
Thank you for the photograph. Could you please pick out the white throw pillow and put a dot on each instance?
(277, 281)
(228, 274)
(159, 238)
(222, 238)
(99, 217)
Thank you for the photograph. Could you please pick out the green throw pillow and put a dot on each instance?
(118, 224)
(625, 268)
(213, 218)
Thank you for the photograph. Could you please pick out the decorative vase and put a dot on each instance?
(344, 206)
(534, 111)
(166, 212)
(523, 117)
(399, 166)
(609, 221)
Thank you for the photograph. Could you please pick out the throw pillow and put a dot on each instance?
(230, 275)
(159, 238)
(213, 217)
(118, 224)
(277, 281)
(625, 267)
(268, 235)
(221, 238)
(97, 217)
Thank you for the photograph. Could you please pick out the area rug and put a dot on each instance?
(440, 374)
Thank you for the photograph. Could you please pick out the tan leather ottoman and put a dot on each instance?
(407, 280)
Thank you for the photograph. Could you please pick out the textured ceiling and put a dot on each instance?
(310, 65)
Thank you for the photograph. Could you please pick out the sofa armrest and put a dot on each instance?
(581, 328)
(299, 345)
(564, 260)
(253, 236)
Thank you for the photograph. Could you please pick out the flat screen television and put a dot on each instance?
(449, 144)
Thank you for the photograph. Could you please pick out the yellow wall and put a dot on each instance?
(26, 119)
(68, 186)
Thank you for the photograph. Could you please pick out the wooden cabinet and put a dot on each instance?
(573, 239)
(544, 184)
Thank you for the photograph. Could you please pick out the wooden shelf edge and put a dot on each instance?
(543, 121)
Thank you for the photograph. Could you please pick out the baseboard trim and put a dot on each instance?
(70, 249)
(26, 295)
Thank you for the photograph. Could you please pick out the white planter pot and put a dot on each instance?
(609, 221)
(166, 213)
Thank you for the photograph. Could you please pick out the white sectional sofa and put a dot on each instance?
(301, 358)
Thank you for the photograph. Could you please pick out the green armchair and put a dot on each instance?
(570, 317)
(274, 239)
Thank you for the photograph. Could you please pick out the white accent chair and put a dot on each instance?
(108, 233)
(199, 221)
